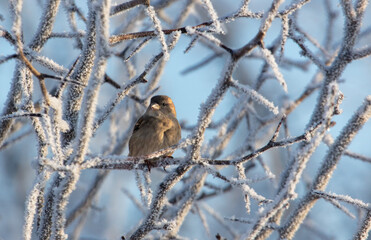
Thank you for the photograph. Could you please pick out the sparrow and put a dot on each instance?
(157, 129)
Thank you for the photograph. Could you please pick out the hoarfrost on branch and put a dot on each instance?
(80, 130)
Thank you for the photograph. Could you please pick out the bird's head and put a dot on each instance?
(162, 103)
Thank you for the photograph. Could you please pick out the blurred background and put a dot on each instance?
(114, 213)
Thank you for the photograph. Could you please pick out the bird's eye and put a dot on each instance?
(164, 104)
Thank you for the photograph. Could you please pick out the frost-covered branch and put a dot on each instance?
(114, 58)
(365, 227)
(129, 163)
(347, 199)
(81, 74)
(127, 5)
(331, 160)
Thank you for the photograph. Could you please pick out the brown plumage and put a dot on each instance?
(157, 129)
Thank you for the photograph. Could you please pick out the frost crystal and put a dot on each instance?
(158, 29)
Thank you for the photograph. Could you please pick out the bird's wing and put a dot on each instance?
(138, 124)
(154, 122)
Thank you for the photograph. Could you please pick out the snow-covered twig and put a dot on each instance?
(325, 171)
(213, 15)
(127, 5)
(81, 73)
(158, 31)
(343, 198)
(336, 203)
(119, 97)
(256, 96)
(19, 115)
(365, 227)
(70, 124)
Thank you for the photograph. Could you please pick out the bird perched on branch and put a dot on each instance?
(157, 129)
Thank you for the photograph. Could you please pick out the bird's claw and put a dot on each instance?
(149, 164)
(164, 167)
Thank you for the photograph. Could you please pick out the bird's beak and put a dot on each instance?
(155, 106)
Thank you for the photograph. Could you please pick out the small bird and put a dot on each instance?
(157, 129)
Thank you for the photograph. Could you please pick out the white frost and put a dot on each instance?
(158, 29)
